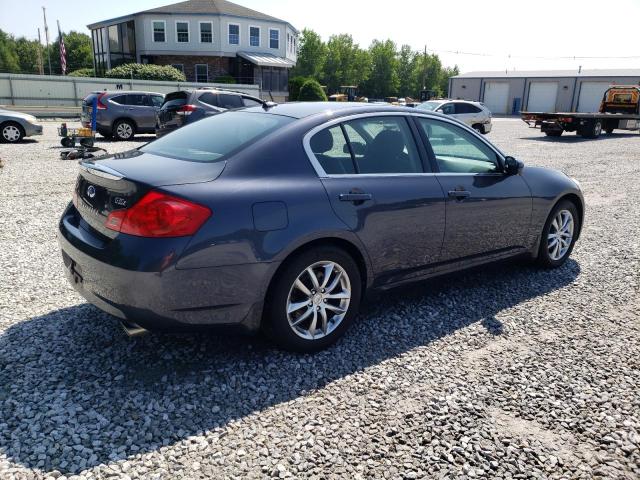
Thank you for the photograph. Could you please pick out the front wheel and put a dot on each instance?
(314, 300)
(11, 132)
(559, 235)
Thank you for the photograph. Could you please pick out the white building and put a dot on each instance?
(206, 39)
(540, 91)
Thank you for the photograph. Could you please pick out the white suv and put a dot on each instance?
(474, 114)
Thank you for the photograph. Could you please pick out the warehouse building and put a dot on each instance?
(510, 92)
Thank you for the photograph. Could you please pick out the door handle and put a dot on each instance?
(357, 198)
(459, 194)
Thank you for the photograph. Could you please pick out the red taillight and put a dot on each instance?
(101, 102)
(186, 109)
(159, 215)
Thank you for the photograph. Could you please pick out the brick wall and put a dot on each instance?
(217, 65)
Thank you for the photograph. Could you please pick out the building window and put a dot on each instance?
(274, 38)
(254, 36)
(182, 32)
(234, 34)
(202, 73)
(159, 34)
(206, 32)
(178, 66)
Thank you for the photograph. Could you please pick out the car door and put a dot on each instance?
(374, 175)
(488, 211)
(464, 112)
(139, 109)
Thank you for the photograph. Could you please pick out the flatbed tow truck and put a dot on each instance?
(619, 110)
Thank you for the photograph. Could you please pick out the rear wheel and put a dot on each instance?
(592, 130)
(314, 300)
(559, 235)
(609, 131)
(11, 132)
(123, 130)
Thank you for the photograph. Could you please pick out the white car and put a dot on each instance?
(474, 114)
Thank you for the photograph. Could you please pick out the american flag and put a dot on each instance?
(63, 52)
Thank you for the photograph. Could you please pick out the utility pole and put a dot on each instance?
(424, 75)
(40, 62)
(46, 37)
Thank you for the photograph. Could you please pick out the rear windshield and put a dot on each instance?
(173, 100)
(215, 138)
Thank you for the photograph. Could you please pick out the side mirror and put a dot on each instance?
(512, 166)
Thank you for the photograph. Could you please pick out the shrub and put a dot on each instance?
(82, 72)
(295, 84)
(311, 91)
(224, 79)
(147, 72)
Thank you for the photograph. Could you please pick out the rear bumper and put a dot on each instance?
(169, 299)
(487, 126)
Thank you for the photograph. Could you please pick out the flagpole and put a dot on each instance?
(40, 62)
(46, 37)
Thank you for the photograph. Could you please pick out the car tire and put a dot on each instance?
(592, 130)
(296, 306)
(558, 235)
(124, 130)
(11, 132)
(609, 131)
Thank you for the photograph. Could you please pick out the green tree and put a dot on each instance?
(427, 74)
(445, 74)
(27, 51)
(312, 56)
(406, 65)
(384, 80)
(79, 52)
(311, 91)
(295, 84)
(83, 72)
(8, 56)
(346, 63)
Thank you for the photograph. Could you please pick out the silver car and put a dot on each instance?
(14, 126)
(474, 114)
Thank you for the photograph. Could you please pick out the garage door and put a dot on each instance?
(591, 94)
(496, 96)
(542, 97)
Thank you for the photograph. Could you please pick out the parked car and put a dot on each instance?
(14, 126)
(280, 218)
(122, 114)
(187, 106)
(474, 114)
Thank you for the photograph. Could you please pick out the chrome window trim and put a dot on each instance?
(306, 142)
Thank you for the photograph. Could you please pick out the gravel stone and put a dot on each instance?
(504, 372)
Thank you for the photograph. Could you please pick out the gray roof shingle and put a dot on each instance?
(610, 72)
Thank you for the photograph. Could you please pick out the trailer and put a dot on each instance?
(619, 110)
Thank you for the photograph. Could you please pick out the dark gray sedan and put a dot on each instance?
(280, 218)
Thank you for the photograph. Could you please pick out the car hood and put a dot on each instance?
(156, 170)
(24, 116)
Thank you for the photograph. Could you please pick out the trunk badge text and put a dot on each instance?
(120, 201)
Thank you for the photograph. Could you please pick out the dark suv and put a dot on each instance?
(188, 106)
(122, 114)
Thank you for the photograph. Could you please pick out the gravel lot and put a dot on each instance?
(506, 372)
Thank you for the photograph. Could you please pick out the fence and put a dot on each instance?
(54, 91)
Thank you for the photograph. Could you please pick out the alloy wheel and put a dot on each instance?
(318, 300)
(124, 131)
(11, 133)
(560, 235)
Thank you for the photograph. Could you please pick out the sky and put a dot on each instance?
(487, 35)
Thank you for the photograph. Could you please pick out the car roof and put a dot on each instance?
(308, 109)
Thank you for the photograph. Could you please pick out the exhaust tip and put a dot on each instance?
(132, 329)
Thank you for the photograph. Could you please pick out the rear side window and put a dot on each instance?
(216, 138)
(250, 102)
(462, 108)
(120, 99)
(210, 99)
(372, 145)
(230, 101)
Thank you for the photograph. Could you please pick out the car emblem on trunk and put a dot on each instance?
(91, 191)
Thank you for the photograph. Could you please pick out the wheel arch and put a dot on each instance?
(578, 202)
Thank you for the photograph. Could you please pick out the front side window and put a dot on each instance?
(216, 138)
(234, 34)
(254, 36)
(231, 101)
(448, 109)
(159, 34)
(206, 32)
(202, 73)
(182, 32)
(274, 38)
(458, 151)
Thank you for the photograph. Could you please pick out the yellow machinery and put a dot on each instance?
(347, 93)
